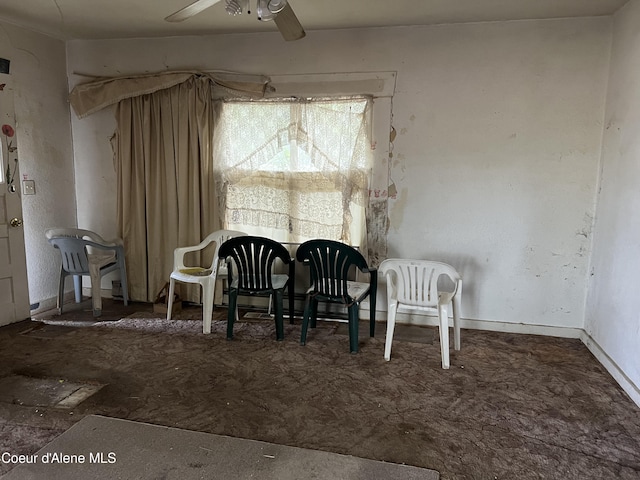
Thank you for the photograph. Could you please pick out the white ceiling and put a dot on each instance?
(91, 19)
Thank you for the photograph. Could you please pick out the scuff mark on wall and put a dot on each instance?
(588, 225)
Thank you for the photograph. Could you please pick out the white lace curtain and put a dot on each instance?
(295, 169)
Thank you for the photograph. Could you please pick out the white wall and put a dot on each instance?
(496, 158)
(38, 69)
(613, 307)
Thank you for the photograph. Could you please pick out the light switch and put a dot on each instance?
(28, 187)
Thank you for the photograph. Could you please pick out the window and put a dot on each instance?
(295, 169)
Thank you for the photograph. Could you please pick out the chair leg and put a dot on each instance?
(391, 324)
(172, 289)
(77, 287)
(372, 318)
(96, 292)
(456, 322)
(207, 307)
(372, 305)
(444, 335)
(291, 300)
(314, 312)
(353, 328)
(279, 316)
(231, 314)
(123, 282)
(61, 291)
(305, 320)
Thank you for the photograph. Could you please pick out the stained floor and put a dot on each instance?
(511, 406)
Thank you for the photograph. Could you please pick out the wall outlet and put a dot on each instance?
(28, 187)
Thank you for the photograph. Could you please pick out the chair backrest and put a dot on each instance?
(76, 233)
(254, 259)
(330, 263)
(74, 254)
(75, 244)
(415, 282)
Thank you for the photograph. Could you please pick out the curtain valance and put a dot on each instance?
(88, 98)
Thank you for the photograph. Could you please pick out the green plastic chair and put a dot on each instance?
(330, 264)
(251, 262)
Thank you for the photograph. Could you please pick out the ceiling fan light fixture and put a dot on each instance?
(262, 10)
(276, 6)
(233, 7)
(269, 9)
(279, 11)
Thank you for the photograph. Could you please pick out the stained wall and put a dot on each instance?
(494, 167)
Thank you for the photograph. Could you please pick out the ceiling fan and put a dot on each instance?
(277, 10)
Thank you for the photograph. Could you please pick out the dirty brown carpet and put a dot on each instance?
(511, 406)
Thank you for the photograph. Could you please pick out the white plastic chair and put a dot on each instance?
(86, 253)
(413, 285)
(206, 277)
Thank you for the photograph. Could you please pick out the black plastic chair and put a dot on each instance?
(251, 272)
(330, 264)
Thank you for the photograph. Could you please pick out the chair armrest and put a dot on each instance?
(102, 246)
(446, 297)
(180, 252)
(458, 289)
(372, 271)
(178, 256)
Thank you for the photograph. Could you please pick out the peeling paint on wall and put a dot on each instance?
(392, 191)
(382, 188)
(377, 225)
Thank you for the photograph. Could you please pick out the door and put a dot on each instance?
(14, 292)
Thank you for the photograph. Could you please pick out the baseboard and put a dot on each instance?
(612, 367)
(69, 297)
(473, 324)
(52, 302)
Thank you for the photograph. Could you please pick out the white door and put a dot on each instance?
(14, 293)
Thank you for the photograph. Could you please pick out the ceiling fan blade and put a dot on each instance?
(190, 10)
(288, 24)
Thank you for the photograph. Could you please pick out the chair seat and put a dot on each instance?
(191, 275)
(356, 290)
(101, 259)
(444, 299)
(278, 281)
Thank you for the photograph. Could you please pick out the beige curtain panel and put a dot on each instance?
(163, 159)
(165, 184)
